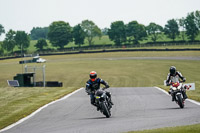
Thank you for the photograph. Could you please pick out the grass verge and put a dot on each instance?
(179, 129)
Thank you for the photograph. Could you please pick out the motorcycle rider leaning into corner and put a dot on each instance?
(175, 76)
(93, 84)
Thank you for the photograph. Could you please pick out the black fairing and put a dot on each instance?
(99, 93)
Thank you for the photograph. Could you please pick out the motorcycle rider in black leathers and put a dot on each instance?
(175, 76)
(93, 84)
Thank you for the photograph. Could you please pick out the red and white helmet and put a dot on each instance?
(93, 75)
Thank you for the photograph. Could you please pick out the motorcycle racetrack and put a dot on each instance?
(135, 108)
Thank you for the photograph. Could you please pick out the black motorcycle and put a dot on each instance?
(103, 102)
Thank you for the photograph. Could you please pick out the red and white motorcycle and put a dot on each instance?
(177, 92)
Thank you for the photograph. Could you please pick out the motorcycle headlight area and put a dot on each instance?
(173, 88)
(97, 97)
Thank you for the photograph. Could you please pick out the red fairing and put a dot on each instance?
(175, 84)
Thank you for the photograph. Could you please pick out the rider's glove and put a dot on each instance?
(107, 86)
(88, 92)
(184, 80)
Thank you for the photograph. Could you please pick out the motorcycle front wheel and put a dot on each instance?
(106, 112)
(180, 101)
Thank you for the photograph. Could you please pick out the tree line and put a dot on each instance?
(60, 33)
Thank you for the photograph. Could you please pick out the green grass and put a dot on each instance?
(180, 129)
(73, 70)
(105, 40)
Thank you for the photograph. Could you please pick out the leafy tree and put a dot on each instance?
(9, 42)
(1, 29)
(182, 26)
(40, 44)
(38, 32)
(154, 30)
(1, 49)
(136, 32)
(117, 32)
(171, 29)
(1, 52)
(60, 33)
(191, 27)
(104, 31)
(91, 30)
(78, 35)
(22, 40)
(197, 19)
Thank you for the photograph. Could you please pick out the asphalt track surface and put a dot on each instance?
(136, 108)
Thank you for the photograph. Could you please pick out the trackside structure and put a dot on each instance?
(33, 69)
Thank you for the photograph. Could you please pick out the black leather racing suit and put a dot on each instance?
(93, 86)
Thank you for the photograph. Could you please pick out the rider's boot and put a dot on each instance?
(98, 108)
(184, 95)
(94, 104)
(170, 91)
(173, 97)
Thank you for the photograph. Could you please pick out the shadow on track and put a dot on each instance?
(94, 118)
(173, 108)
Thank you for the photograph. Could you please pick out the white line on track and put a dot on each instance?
(38, 110)
(190, 100)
